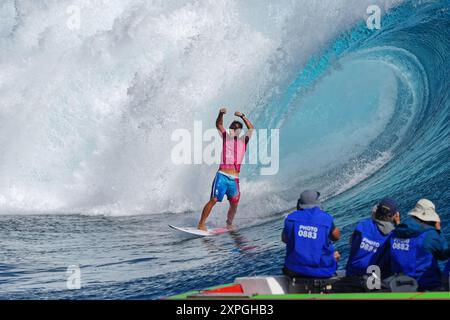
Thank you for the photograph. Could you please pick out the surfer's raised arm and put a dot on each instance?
(247, 122)
(219, 120)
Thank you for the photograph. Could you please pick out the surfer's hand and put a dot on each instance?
(238, 114)
(223, 110)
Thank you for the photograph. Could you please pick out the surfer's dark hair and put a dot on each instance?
(238, 123)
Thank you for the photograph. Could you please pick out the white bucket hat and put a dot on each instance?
(425, 211)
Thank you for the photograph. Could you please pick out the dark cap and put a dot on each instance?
(387, 207)
(308, 199)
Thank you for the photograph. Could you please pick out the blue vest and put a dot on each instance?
(309, 250)
(363, 249)
(409, 256)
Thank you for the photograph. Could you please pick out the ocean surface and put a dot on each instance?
(88, 107)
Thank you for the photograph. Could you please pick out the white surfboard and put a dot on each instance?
(200, 233)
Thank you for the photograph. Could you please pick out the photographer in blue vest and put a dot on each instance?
(369, 237)
(309, 233)
(416, 246)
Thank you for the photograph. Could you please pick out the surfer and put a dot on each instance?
(226, 181)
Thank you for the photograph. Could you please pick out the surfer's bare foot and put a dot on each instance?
(231, 227)
(201, 226)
